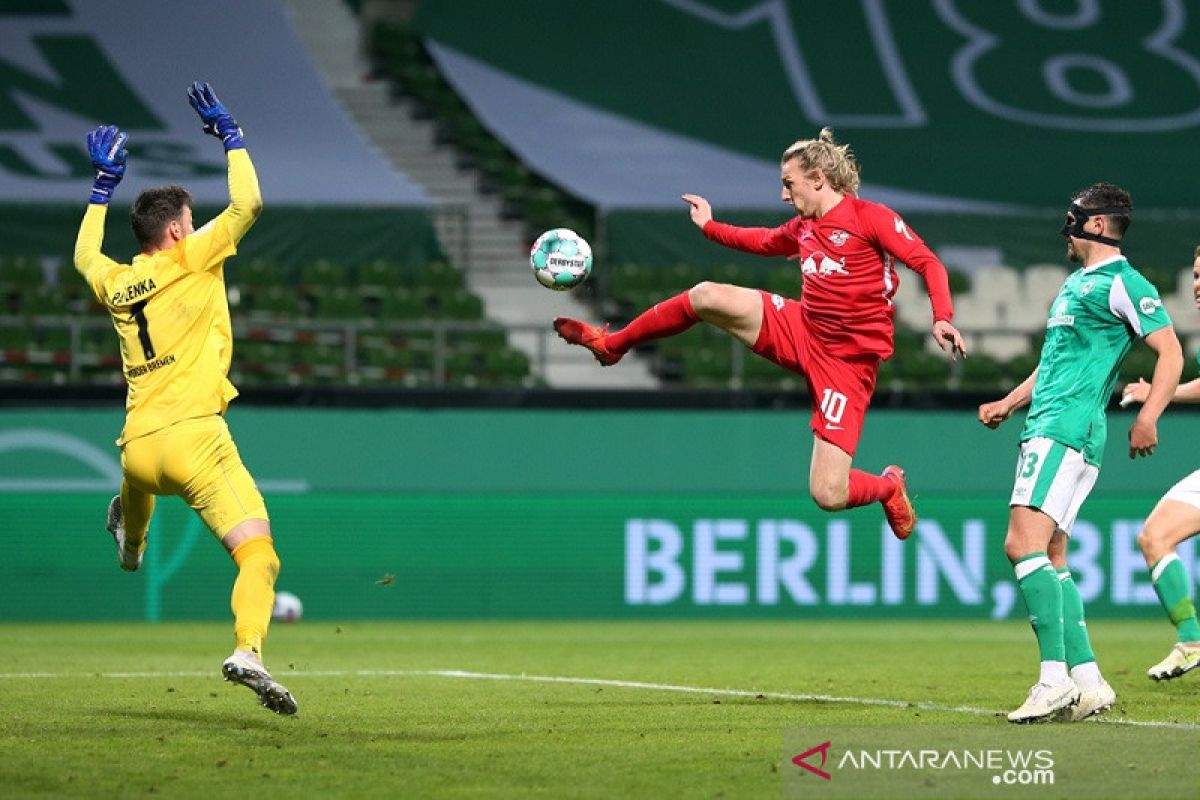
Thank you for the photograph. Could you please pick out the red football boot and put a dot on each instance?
(589, 336)
(898, 508)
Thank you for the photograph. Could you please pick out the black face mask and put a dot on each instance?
(1077, 217)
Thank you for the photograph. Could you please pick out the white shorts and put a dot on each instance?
(1054, 479)
(1186, 491)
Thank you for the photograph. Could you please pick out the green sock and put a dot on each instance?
(1171, 584)
(1075, 634)
(1044, 600)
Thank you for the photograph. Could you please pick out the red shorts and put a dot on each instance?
(840, 387)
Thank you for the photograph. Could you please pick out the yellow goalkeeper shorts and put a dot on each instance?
(197, 460)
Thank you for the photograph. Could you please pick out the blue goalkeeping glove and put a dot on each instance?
(106, 147)
(217, 120)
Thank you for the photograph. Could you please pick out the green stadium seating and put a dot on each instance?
(339, 302)
(506, 366)
(323, 273)
(275, 302)
(438, 275)
(21, 271)
(258, 272)
(402, 304)
(707, 366)
(459, 305)
(377, 277)
(981, 371)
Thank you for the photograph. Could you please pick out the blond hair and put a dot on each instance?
(834, 161)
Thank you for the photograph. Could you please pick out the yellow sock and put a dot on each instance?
(253, 592)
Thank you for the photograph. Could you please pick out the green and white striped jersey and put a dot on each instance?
(1092, 325)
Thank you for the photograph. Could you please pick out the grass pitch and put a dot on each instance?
(479, 709)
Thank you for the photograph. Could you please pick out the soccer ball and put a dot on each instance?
(288, 607)
(561, 259)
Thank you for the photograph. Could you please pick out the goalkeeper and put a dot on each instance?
(169, 309)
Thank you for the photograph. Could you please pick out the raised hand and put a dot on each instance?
(700, 210)
(106, 148)
(216, 119)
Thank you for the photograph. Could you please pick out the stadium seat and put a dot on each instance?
(1040, 283)
(21, 271)
(378, 276)
(258, 272)
(981, 371)
(322, 273)
(922, 369)
(401, 304)
(275, 302)
(339, 302)
(1020, 367)
(784, 281)
(45, 300)
(707, 366)
(459, 305)
(506, 366)
(997, 283)
(1001, 346)
(628, 278)
(1138, 364)
(438, 275)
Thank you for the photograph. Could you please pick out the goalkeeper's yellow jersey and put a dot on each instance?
(170, 310)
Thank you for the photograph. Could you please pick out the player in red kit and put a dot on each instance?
(835, 335)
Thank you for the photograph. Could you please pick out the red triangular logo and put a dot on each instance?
(823, 749)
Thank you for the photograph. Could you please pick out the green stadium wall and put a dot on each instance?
(557, 514)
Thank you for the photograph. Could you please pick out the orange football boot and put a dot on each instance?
(589, 336)
(898, 508)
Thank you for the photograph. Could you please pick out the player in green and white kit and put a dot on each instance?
(1101, 308)
(1174, 520)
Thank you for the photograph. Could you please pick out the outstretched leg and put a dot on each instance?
(734, 309)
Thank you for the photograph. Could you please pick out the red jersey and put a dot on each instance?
(847, 260)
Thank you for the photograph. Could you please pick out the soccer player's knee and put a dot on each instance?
(705, 296)
(1015, 548)
(828, 497)
(1150, 541)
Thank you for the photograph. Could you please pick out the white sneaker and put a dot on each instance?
(1046, 701)
(129, 560)
(247, 669)
(1095, 700)
(1184, 657)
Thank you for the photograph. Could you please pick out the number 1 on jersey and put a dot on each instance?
(138, 310)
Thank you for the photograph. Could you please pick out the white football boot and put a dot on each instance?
(1095, 700)
(247, 669)
(1184, 657)
(129, 560)
(1046, 702)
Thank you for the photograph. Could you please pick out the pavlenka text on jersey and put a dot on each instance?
(131, 293)
(149, 366)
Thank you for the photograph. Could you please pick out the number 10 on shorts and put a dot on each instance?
(833, 405)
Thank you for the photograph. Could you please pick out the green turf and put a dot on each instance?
(81, 734)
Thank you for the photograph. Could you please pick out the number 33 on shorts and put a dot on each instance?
(1053, 478)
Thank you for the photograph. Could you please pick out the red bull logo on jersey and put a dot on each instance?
(820, 264)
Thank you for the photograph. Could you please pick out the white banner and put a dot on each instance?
(129, 63)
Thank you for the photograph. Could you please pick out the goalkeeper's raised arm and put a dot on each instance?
(245, 200)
